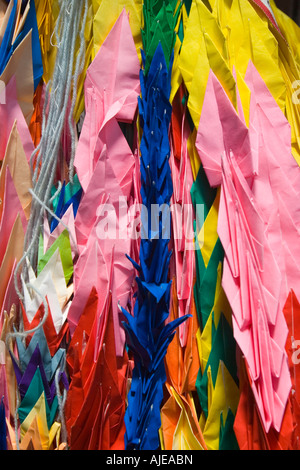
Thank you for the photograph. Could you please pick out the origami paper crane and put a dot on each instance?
(51, 285)
(39, 362)
(182, 366)
(215, 333)
(159, 27)
(11, 255)
(181, 430)
(170, 105)
(268, 363)
(209, 298)
(46, 17)
(69, 195)
(16, 164)
(28, 23)
(11, 114)
(38, 374)
(10, 21)
(265, 43)
(20, 66)
(108, 172)
(99, 409)
(182, 216)
(147, 335)
(106, 14)
(8, 380)
(203, 49)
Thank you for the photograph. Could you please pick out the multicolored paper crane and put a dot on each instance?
(149, 225)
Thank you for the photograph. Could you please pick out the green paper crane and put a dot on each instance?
(222, 343)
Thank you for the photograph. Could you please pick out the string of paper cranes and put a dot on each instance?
(149, 225)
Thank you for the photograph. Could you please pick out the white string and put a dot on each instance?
(54, 115)
(59, 186)
(78, 69)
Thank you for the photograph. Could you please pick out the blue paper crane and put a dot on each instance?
(148, 335)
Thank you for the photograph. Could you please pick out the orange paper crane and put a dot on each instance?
(96, 401)
(182, 367)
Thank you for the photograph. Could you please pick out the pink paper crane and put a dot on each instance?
(259, 181)
(108, 170)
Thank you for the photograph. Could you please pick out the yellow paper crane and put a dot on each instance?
(101, 17)
(37, 419)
